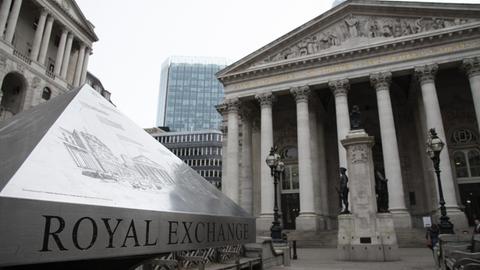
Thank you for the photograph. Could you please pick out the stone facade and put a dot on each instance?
(408, 66)
(43, 53)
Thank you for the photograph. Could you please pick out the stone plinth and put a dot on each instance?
(364, 235)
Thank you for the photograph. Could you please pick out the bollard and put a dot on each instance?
(295, 250)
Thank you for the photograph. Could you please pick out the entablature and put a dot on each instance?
(339, 63)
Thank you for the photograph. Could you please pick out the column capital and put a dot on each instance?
(471, 66)
(44, 11)
(301, 94)
(426, 74)
(339, 87)
(65, 30)
(381, 80)
(233, 104)
(221, 108)
(50, 18)
(265, 99)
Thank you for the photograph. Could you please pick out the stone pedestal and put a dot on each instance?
(263, 223)
(308, 223)
(364, 235)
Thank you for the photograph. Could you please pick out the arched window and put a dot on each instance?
(47, 93)
(461, 168)
(467, 163)
(474, 162)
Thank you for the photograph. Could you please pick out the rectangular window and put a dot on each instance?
(412, 198)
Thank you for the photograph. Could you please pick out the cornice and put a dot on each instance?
(324, 59)
(64, 18)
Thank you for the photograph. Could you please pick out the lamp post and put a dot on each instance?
(434, 147)
(277, 167)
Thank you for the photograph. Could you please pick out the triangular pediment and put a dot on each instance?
(71, 8)
(358, 23)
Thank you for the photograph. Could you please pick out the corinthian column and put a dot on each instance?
(472, 67)
(246, 174)
(12, 20)
(230, 182)
(37, 39)
(391, 157)
(340, 91)
(85, 65)
(426, 77)
(60, 52)
(266, 142)
(66, 56)
(79, 68)
(45, 41)
(4, 10)
(307, 221)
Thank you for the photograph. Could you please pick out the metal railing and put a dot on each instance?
(22, 57)
(50, 74)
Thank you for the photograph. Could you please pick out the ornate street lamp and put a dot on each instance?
(277, 167)
(434, 147)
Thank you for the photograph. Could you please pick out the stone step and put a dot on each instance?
(328, 239)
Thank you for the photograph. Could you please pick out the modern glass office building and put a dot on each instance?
(189, 92)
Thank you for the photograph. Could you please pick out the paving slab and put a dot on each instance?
(326, 258)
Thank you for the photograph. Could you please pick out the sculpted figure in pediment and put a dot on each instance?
(373, 29)
(360, 26)
(352, 24)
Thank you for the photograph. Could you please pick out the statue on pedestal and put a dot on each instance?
(343, 192)
(355, 117)
(381, 189)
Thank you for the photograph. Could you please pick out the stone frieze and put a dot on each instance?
(360, 29)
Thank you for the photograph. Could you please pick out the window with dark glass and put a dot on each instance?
(46, 93)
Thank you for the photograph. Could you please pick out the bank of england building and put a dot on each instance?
(44, 52)
(408, 66)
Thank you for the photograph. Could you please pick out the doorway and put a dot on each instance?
(470, 196)
(290, 196)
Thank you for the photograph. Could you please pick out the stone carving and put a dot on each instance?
(3, 60)
(381, 80)
(355, 115)
(221, 108)
(35, 82)
(343, 191)
(301, 93)
(233, 104)
(381, 190)
(426, 73)
(358, 27)
(471, 66)
(352, 24)
(359, 154)
(265, 99)
(339, 87)
(20, 68)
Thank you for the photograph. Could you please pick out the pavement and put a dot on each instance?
(326, 259)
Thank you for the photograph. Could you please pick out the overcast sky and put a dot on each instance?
(135, 37)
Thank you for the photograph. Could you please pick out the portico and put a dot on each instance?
(406, 74)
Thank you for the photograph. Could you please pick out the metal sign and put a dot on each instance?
(92, 184)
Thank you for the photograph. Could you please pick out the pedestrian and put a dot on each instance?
(476, 229)
(432, 236)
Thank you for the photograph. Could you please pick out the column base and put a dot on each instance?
(263, 223)
(401, 218)
(309, 222)
(457, 217)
